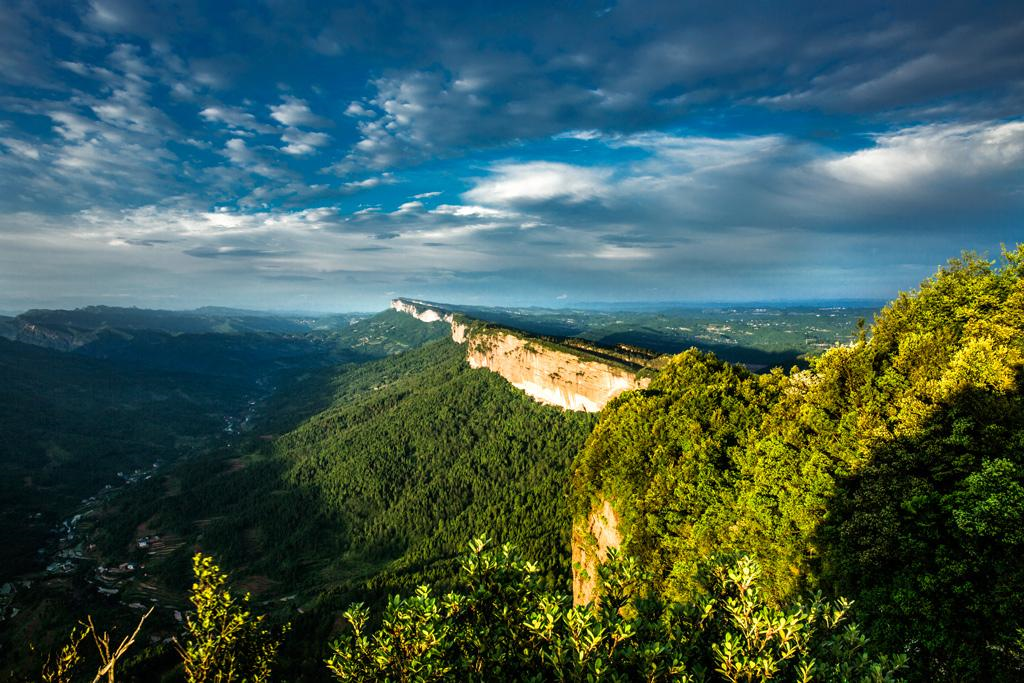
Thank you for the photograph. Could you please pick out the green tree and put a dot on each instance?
(502, 625)
(889, 472)
(225, 641)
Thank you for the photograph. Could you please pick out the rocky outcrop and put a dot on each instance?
(460, 332)
(420, 310)
(550, 375)
(574, 375)
(591, 540)
(570, 373)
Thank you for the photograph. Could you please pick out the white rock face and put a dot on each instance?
(426, 314)
(555, 396)
(460, 332)
(547, 375)
(550, 376)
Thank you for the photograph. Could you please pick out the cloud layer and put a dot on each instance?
(295, 156)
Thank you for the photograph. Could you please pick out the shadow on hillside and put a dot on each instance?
(927, 539)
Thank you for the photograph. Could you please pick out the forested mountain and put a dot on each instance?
(888, 471)
(891, 472)
(379, 491)
(78, 324)
(84, 426)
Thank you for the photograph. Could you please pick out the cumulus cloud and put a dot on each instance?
(301, 143)
(368, 183)
(236, 150)
(469, 210)
(409, 207)
(234, 117)
(293, 111)
(359, 110)
(539, 181)
(688, 185)
(932, 153)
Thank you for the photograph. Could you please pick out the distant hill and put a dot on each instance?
(69, 329)
(219, 341)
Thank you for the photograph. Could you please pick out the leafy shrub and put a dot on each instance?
(501, 625)
(225, 641)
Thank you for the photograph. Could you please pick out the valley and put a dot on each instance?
(231, 475)
(354, 460)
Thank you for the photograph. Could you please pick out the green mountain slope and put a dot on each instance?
(386, 333)
(415, 454)
(891, 472)
(73, 420)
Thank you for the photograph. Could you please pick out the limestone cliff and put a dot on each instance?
(591, 539)
(548, 374)
(420, 310)
(569, 373)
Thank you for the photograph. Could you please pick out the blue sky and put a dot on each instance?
(309, 155)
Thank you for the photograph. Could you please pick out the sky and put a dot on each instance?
(300, 155)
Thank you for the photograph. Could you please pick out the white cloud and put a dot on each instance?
(236, 150)
(375, 181)
(21, 148)
(105, 15)
(300, 142)
(914, 156)
(468, 210)
(296, 112)
(617, 253)
(538, 181)
(240, 154)
(235, 117)
(358, 110)
(71, 126)
(702, 153)
(410, 207)
(585, 135)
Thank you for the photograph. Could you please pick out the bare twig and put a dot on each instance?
(107, 658)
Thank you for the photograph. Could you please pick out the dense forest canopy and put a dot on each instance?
(889, 472)
(401, 461)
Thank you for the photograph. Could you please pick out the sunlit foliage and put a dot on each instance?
(890, 471)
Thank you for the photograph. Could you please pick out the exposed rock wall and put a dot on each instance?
(563, 378)
(460, 332)
(548, 375)
(590, 543)
(560, 375)
(420, 310)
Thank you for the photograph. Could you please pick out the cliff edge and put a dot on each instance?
(591, 540)
(573, 374)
